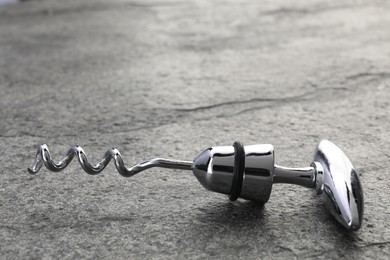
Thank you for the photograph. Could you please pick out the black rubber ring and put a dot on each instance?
(238, 171)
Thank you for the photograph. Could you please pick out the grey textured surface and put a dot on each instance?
(169, 79)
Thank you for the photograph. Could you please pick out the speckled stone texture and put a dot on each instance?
(169, 79)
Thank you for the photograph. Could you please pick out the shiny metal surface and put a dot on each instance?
(305, 177)
(319, 176)
(43, 157)
(340, 189)
(214, 168)
(259, 172)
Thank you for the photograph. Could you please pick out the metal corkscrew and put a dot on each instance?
(246, 172)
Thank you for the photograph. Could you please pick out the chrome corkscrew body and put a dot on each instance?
(247, 172)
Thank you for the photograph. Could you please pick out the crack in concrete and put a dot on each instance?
(302, 97)
(271, 102)
(227, 104)
(377, 243)
(380, 75)
(283, 11)
(100, 7)
(274, 101)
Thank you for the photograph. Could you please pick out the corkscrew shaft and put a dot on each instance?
(43, 157)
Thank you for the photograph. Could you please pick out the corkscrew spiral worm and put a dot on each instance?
(43, 157)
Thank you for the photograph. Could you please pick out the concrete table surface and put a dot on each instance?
(169, 79)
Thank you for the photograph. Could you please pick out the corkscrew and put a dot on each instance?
(246, 172)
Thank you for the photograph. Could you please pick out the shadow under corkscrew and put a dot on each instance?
(43, 157)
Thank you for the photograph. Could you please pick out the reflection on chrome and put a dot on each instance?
(341, 188)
